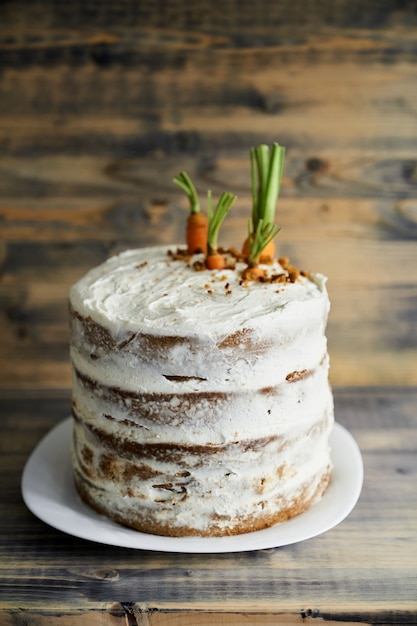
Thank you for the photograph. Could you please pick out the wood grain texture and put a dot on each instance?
(102, 103)
(362, 571)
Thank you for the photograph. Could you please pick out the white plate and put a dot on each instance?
(49, 492)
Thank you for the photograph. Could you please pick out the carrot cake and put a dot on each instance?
(201, 401)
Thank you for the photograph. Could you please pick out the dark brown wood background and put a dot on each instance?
(101, 103)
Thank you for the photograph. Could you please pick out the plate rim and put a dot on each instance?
(121, 536)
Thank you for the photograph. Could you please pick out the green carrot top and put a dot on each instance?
(266, 174)
(186, 184)
(267, 165)
(217, 216)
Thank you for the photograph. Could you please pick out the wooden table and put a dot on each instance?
(363, 571)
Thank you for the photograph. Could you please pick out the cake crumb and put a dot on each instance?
(296, 376)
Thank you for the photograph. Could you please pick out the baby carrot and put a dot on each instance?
(215, 261)
(196, 233)
(197, 223)
(266, 175)
(216, 218)
(259, 240)
(267, 253)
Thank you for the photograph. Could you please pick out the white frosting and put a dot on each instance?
(145, 291)
(227, 379)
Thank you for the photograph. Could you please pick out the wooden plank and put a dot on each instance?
(192, 111)
(179, 16)
(139, 616)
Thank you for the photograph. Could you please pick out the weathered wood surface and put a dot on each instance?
(102, 103)
(363, 571)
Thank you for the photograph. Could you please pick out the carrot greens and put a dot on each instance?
(203, 230)
(263, 236)
(214, 259)
(186, 184)
(266, 175)
(217, 216)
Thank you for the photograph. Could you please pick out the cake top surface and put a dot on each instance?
(148, 290)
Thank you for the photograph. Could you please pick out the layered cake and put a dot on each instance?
(201, 402)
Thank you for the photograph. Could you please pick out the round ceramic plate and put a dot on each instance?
(48, 491)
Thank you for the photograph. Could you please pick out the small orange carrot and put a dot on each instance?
(215, 261)
(196, 233)
(197, 223)
(266, 174)
(267, 253)
(259, 241)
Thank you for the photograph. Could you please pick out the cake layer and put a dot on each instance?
(200, 417)
(211, 489)
(164, 363)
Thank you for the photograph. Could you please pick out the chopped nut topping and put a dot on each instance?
(290, 274)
